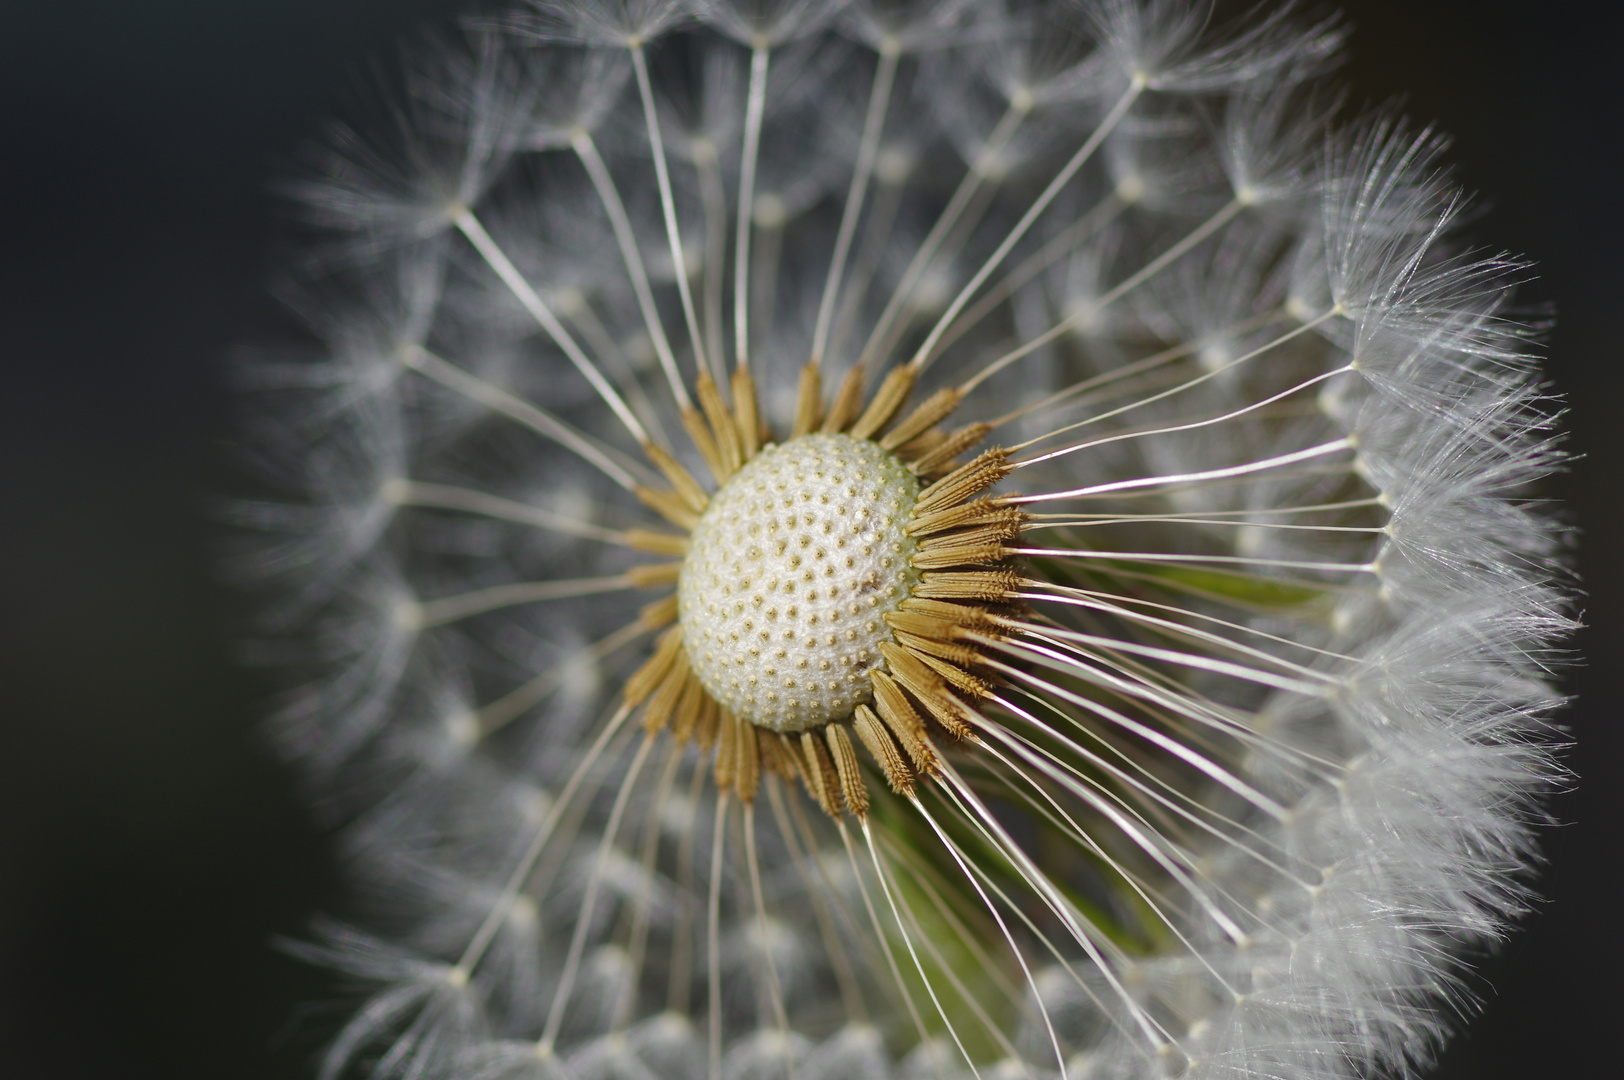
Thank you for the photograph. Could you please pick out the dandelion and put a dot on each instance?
(906, 540)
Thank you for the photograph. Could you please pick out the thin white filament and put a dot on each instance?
(1173, 629)
(992, 909)
(404, 492)
(775, 991)
(755, 105)
(1197, 381)
(678, 986)
(1078, 160)
(609, 196)
(1344, 468)
(876, 238)
(557, 854)
(1087, 936)
(538, 840)
(1227, 560)
(589, 902)
(1099, 216)
(1127, 822)
(715, 199)
(960, 810)
(885, 942)
(970, 1000)
(1104, 601)
(668, 204)
(1110, 805)
(1121, 289)
(907, 939)
(1172, 254)
(1200, 517)
(1162, 697)
(1173, 427)
(536, 419)
(451, 608)
(1143, 780)
(1002, 132)
(1200, 762)
(922, 872)
(873, 122)
(713, 938)
(1083, 521)
(577, 308)
(1308, 454)
(1063, 821)
(643, 909)
(816, 891)
(517, 701)
(1130, 680)
(1115, 654)
(764, 277)
(1175, 352)
(498, 261)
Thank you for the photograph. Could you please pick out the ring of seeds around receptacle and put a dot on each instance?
(940, 579)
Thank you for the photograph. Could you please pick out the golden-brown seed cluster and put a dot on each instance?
(936, 585)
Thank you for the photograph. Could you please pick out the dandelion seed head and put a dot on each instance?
(907, 539)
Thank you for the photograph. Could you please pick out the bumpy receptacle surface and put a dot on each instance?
(789, 576)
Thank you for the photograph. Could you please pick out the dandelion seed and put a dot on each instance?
(908, 539)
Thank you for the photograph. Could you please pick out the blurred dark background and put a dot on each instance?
(149, 849)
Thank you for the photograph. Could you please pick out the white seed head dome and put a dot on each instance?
(789, 576)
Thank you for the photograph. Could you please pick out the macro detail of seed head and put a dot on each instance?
(912, 539)
(790, 575)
